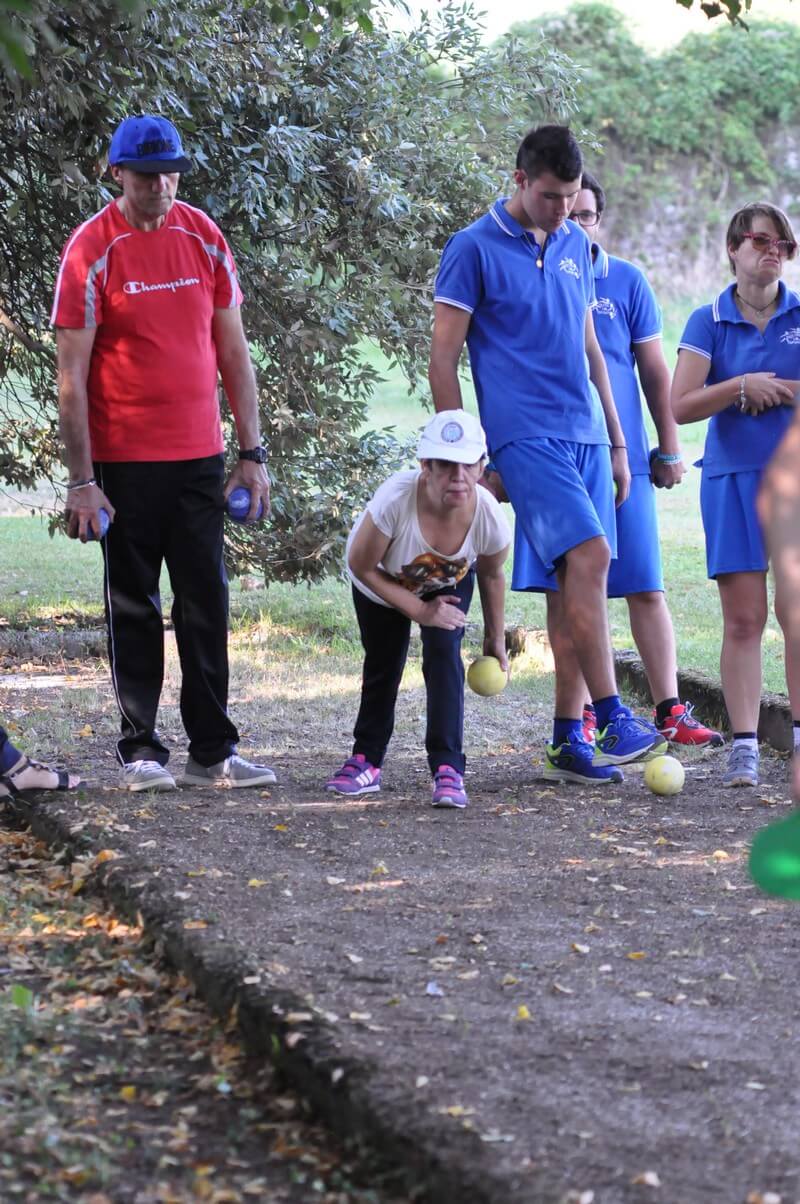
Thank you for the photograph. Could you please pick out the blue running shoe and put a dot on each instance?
(574, 761)
(627, 738)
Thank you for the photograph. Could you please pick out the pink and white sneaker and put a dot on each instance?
(357, 776)
(448, 788)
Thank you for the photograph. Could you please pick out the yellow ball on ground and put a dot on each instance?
(664, 775)
(486, 676)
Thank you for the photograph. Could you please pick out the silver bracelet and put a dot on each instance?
(742, 394)
(81, 484)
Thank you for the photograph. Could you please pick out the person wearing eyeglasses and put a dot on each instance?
(627, 319)
(738, 366)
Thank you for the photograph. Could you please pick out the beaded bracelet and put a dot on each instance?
(742, 394)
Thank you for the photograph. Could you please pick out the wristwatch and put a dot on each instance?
(259, 455)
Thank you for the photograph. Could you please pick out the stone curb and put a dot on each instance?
(775, 719)
(429, 1160)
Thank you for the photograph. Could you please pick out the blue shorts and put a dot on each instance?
(637, 569)
(563, 495)
(734, 542)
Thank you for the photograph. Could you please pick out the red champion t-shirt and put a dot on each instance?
(151, 296)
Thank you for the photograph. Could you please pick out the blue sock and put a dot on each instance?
(605, 708)
(9, 755)
(564, 728)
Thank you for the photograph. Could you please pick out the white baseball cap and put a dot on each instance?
(452, 435)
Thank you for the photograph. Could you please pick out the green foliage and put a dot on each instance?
(732, 9)
(686, 134)
(337, 174)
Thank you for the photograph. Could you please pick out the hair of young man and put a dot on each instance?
(593, 184)
(742, 223)
(550, 148)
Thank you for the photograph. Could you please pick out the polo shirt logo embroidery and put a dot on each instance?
(791, 336)
(606, 306)
(570, 267)
(138, 286)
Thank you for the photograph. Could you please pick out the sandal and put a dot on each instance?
(11, 788)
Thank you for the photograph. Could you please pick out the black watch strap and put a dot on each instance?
(259, 454)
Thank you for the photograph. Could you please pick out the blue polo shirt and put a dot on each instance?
(737, 442)
(626, 314)
(526, 337)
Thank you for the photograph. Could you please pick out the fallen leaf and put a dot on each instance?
(354, 958)
(335, 881)
(494, 1135)
(86, 730)
(720, 855)
(635, 957)
(128, 1094)
(646, 1179)
(106, 855)
(523, 1013)
(279, 828)
(508, 980)
(378, 870)
(255, 882)
(581, 949)
(560, 990)
(194, 924)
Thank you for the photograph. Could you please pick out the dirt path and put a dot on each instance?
(557, 993)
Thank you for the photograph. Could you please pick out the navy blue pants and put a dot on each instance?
(168, 512)
(9, 755)
(385, 635)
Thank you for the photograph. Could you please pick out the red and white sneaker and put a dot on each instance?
(589, 724)
(681, 727)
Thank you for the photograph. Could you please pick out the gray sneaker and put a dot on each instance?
(146, 775)
(742, 766)
(233, 772)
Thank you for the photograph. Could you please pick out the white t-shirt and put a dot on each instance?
(412, 562)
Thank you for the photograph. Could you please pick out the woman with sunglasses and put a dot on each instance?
(739, 366)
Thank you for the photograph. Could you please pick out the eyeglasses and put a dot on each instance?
(586, 217)
(762, 242)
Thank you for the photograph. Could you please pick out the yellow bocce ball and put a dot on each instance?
(664, 775)
(486, 676)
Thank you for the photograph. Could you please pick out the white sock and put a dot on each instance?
(796, 733)
(748, 742)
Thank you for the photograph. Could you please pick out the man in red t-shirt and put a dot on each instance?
(147, 315)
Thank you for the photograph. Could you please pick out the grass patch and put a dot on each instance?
(59, 581)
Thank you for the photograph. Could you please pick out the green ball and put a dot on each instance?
(775, 858)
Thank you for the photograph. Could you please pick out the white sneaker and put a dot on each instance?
(146, 775)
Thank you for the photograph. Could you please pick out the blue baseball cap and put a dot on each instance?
(148, 143)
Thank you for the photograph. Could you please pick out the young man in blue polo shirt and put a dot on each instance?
(628, 324)
(517, 286)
